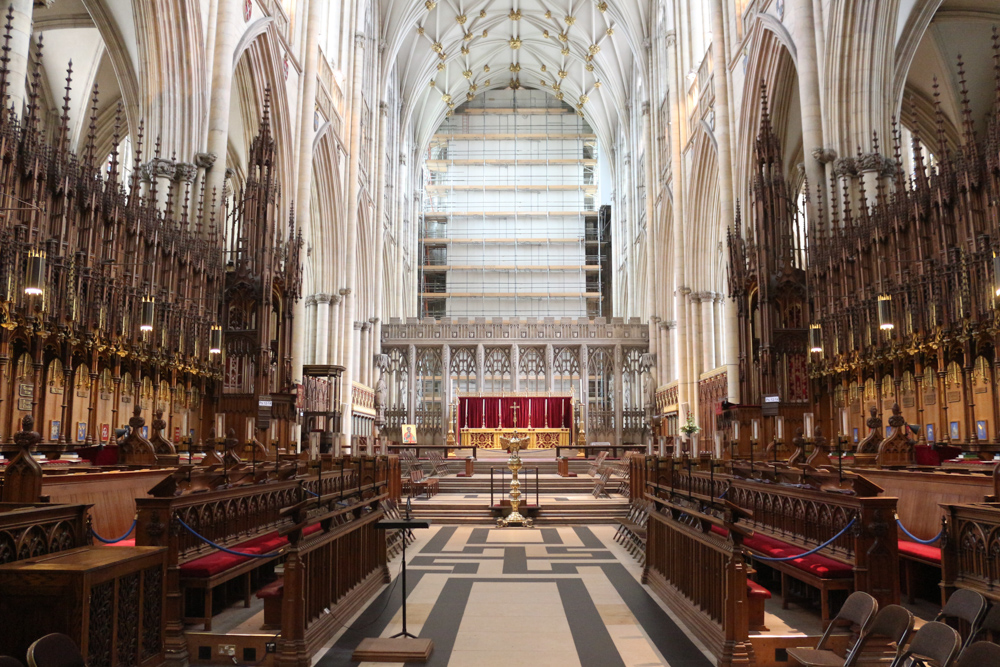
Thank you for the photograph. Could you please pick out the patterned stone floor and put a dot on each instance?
(540, 597)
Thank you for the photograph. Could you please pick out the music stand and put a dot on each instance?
(406, 647)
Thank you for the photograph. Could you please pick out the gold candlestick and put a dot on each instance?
(514, 464)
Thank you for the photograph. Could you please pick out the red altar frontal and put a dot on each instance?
(483, 420)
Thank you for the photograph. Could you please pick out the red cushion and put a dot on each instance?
(917, 550)
(130, 542)
(820, 566)
(756, 590)
(212, 564)
(309, 530)
(273, 590)
(719, 530)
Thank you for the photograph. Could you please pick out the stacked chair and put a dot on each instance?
(632, 529)
(883, 634)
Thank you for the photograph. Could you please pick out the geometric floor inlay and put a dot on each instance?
(534, 597)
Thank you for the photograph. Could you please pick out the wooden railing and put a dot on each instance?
(804, 509)
(970, 554)
(231, 513)
(328, 578)
(28, 531)
(700, 575)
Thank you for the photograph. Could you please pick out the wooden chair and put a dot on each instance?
(857, 612)
(598, 464)
(601, 483)
(966, 605)
(55, 650)
(934, 645)
(980, 654)
(420, 484)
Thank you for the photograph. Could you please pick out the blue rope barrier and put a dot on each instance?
(222, 548)
(915, 538)
(811, 551)
(314, 495)
(723, 495)
(127, 533)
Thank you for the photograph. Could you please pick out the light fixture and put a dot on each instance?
(215, 340)
(885, 312)
(34, 278)
(815, 338)
(996, 274)
(148, 314)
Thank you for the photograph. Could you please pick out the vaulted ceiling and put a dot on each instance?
(584, 52)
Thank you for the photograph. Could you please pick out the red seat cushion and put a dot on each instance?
(212, 564)
(130, 542)
(273, 590)
(719, 530)
(309, 530)
(820, 566)
(917, 550)
(756, 590)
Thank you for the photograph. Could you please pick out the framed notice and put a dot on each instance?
(953, 431)
(26, 390)
(409, 434)
(145, 431)
(105, 432)
(981, 429)
(177, 434)
(855, 435)
(54, 429)
(81, 431)
(930, 433)
(888, 430)
(24, 404)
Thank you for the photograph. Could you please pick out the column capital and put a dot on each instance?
(374, 320)
(345, 291)
(357, 326)
(824, 155)
(186, 172)
(359, 40)
(365, 326)
(336, 299)
(205, 160)
(321, 298)
(684, 290)
(671, 324)
(656, 319)
(719, 297)
(310, 300)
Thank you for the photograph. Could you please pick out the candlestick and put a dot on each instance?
(755, 424)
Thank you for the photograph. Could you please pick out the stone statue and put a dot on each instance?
(380, 396)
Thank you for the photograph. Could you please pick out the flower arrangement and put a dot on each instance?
(690, 428)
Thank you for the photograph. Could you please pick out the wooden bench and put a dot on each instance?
(757, 595)
(791, 513)
(913, 555)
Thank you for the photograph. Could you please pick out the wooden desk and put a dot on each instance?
(538, 438)
(109, 600)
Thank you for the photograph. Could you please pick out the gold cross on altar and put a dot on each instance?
(514, 408)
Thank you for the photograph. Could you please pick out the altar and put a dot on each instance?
(545, 420)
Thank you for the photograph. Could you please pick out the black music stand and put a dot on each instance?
(402, 646)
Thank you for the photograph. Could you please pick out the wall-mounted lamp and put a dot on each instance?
(815, 338)
(215, 340)
(885, 312)
(148, 314)
(34, 277)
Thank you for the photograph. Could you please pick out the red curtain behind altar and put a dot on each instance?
(534, 412)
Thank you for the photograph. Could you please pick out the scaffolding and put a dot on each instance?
(510, 225)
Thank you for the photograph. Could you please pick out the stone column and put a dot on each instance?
(445, 390)
(333, 324)
(303, 190)
(619, 394)
(356, 361)
(708, 331)
(480, 367)
(807, 66)
(322, 328)
(229, 27)
(677, 116)
(515, 368)
(20, 53)
(374, 347)
(720, 315)
(376, 333)
(549, 368)
(584, 387)
(309, 351)
(366, 354)
(411, 403)
(666, 352)
(353, 202)
(654, 347)
(651, 272)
